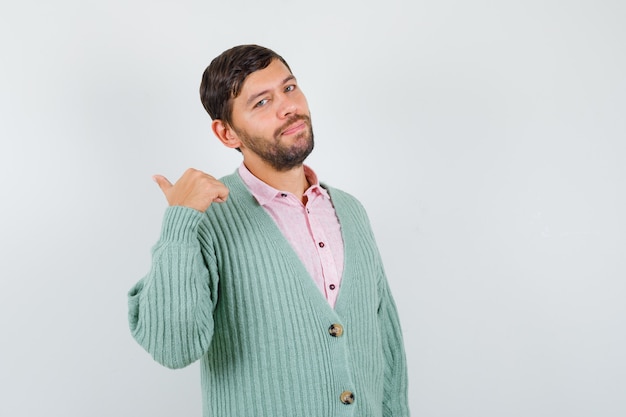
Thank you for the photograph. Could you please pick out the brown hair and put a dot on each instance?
(223, 78)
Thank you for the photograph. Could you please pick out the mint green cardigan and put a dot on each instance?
(226, 287)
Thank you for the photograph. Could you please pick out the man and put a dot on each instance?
(270, 278)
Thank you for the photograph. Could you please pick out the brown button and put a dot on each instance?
(332, 286)
(335, 330)
(347, 397)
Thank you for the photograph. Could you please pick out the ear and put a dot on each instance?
(225, 134)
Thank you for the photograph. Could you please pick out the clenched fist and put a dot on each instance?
(195, 189)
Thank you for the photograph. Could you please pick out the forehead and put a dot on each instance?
(271, 76)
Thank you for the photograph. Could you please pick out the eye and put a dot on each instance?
(290, 88)
(261, 103)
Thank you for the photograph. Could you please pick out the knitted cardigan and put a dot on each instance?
(226, 287)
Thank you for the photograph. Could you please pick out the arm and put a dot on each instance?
(395, 399)
(170, 310)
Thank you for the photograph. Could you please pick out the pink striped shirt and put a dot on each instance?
(312, 229)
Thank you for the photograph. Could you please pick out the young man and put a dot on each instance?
(270, 278)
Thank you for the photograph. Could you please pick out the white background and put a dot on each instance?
(486, 139)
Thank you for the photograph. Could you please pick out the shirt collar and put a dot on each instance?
(265, 193)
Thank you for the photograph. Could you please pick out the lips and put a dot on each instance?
(292, 126)
(296, 127)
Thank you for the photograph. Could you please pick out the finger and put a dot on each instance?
(222, 194)
(162, 182)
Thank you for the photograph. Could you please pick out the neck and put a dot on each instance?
(293, 181)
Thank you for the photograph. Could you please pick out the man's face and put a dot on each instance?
(271, 118)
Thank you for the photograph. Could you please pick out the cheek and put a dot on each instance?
(261, 122)
(261, 127)
(302, 99)
(247, 123)
(303, 104)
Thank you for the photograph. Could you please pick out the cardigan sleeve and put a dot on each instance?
(170, 310)
(395, 395)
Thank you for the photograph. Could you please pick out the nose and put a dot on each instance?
(287, 107)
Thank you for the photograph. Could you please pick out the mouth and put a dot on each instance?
(294, 128)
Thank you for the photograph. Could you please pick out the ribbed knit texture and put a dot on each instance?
(226, 287)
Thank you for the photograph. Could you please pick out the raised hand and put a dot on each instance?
(195, 189)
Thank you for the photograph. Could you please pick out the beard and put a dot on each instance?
(279, 156)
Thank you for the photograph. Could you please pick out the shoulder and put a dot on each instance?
(231, 179)
(240, 207)
(237, 188)
(345, 202)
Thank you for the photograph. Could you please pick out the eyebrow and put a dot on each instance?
(254, 97)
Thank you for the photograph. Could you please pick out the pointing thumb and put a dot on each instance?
(162, 182)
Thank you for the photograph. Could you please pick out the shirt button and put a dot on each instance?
(332, 286)
(347, 397)
(321, 244)
(335, 330)
(283, 195)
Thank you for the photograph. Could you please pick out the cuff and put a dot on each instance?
(180, 224)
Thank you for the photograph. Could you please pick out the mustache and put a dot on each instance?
(291, 121)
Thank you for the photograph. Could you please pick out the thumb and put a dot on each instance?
(162, 182)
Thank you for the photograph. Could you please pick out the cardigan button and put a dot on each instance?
(347, 397)
(335, 330)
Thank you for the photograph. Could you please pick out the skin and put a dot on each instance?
(271, 125)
